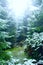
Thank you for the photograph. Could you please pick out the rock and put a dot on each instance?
(40, 62)
(10, 63)
(34, 61)
(29, 62)
(13, 60)
(26, 63)
(17, 60)
(19, 64)
(41, 57)
(25, 59)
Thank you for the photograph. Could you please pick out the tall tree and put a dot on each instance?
(38, 24)
(3, 34)
(35, 42)
(11, 28)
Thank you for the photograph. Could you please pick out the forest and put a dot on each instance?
(21, 32)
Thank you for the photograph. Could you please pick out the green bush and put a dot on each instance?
(35, 46)
(5, 55)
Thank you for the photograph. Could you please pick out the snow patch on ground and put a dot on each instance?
(25, 62)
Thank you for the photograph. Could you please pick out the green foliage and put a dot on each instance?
(35, 46)
(34, 41)
(37, 3)
(38, 23)
(4, 55)
(11, 29)
(4, 45)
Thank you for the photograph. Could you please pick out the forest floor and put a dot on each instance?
(18, 52)
(20, 58)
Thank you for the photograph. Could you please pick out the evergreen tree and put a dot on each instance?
(35, 42)
(3, 33)
(11, 28)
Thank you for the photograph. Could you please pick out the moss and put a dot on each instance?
(18, 52)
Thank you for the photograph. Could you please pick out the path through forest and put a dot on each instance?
(20, 57)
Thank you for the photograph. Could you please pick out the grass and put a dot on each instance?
(18, 52)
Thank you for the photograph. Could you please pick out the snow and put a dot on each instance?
(26, 62)
(25, 59)
(19, 64)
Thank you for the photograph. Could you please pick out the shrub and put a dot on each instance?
(35, 46)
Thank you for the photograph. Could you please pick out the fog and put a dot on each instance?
(18, 7)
